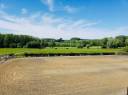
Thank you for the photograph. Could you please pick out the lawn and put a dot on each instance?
(55, 50)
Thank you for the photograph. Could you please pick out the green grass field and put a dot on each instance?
(19, 51)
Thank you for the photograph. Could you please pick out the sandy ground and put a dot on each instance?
(89, 75)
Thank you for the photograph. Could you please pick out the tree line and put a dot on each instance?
(24, 41)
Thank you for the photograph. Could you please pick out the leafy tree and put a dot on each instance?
(104, 43)
(117, 43)
(33, 44)
(121, 38)
(60, 40)
(13, 45)
(110, 43)
(19, 45)
(20, 41)
(7, 40)
(1, 41)
(113, 43)
(88, 46)
(75, 38)
(51, 44)
(126, 42)
(80, 45)
(43, 44)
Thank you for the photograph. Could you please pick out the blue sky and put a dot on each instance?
(64, 18)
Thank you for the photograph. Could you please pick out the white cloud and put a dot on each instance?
(24, 11)
(49, 3)
(70, 9)
(60, 6)
(49, 26)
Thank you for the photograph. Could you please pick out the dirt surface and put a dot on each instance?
(89, 75)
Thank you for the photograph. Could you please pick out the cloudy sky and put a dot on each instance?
(64, 18)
